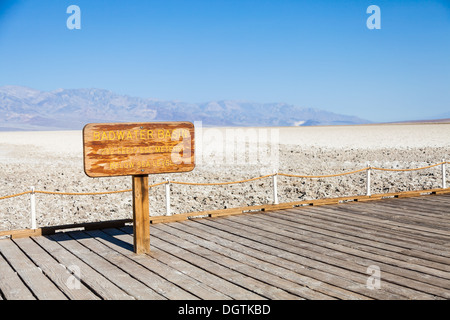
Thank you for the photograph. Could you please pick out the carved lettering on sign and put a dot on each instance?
(120, 149)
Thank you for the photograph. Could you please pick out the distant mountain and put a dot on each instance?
(23, 108)
(445, 115)
(446, 120)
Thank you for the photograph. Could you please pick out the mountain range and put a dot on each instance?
(23, 108)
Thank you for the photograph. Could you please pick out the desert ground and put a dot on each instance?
(53, 161)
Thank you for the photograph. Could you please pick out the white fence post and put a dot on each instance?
(444, 178)
(275, 188)
(33, 208)
(368, 193)
(168, 212)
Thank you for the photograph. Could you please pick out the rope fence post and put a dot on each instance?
(33, 208)
(275, 187)
(168, 212)
(444, 178)
(368, 193)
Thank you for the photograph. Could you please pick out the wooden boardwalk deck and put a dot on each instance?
(305, 253)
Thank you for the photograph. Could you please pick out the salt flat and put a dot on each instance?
(53, 161)
(362, 136)
(369, 136)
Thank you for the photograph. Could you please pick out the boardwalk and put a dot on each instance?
(324, 252)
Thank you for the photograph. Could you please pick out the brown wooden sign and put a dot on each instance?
(128, 149)
(137, 150)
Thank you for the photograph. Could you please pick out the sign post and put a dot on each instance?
(137, 150)
(141, 216)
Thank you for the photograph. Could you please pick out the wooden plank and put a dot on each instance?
(31, 275)
(435, 227)
(442, 198)
(392, 235)
(306, 287)
(329, 264)
(274, 207)
(298, 262)
(425, 211)
(25, 233)
(364, 236)
(141, 215)
(428, 279)
(20, 233)
(306, 251)
(102, 286)
(110, 271)
(413, 216)
(404, 231)
(11, 285)
(408, 231)
(129, 149)
(262, 271)
(202, 269)
(441, 192)
(430, 251)
(321, 279)
(152, 280)
(234, 212)
(117, 240)
(56, 272)
(389, 272)
(350, 243)
(436, 210)
(229, 268)
(254, 288)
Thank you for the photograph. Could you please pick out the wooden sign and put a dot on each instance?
(137, 150)
(123, 149)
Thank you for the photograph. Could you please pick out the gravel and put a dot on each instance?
(53, 161)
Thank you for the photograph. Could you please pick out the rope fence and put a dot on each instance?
(274, 175)
(322, 176)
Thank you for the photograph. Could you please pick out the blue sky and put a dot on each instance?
(317, 54)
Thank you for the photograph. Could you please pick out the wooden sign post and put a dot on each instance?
(141, 217)
(137, 150)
